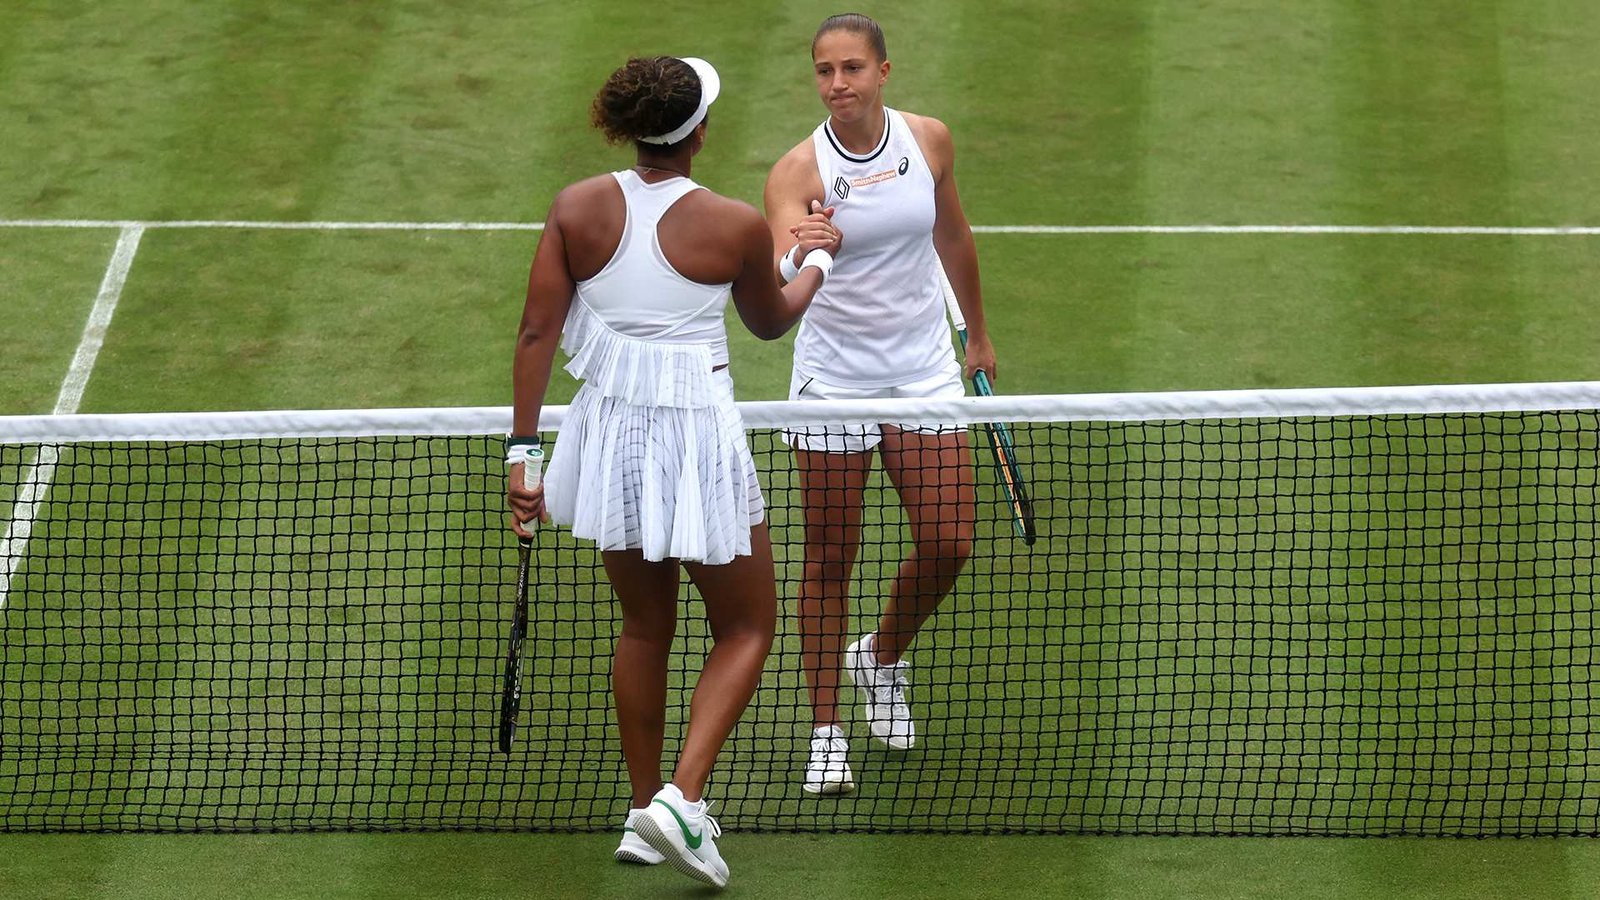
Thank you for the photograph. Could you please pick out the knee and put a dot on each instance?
(655, 630)
(829, 562)
(950, 543)
(754, 634)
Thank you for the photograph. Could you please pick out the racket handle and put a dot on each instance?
(532, 467)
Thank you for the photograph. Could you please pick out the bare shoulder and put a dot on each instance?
(727, 214)
(800, 158)
(932, 135)
(580, 194)
(795, 170)
(736, 210)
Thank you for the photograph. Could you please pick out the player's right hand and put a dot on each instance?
(527, 504)
(816, 231)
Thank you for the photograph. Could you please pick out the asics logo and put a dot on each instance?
(689, 837)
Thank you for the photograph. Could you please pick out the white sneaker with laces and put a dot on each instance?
(682, 833)
(828, 771)
(633, 849)
(883, 689)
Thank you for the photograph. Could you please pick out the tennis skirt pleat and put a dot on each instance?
(675, 483)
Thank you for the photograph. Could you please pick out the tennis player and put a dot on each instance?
(877, 329)
(633, 273)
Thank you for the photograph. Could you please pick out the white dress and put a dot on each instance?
(653, 454)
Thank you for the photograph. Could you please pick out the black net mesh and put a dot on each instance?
(1341, 625)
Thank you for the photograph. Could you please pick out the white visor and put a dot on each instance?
(710, 86)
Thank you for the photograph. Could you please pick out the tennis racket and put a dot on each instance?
(999, 436)
(511, 689)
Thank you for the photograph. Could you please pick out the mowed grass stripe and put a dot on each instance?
(1068, 145)
(1241, 125)
(487, 113)
(1548, 72)
(47, 287)
(786, 867)
(87, 88)
(1424, 104)
(228, 320)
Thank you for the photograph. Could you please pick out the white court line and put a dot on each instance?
(39, 476)
(273, 226)
(1512, 231)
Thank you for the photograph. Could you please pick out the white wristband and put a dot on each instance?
(786, 266)
(821, 260)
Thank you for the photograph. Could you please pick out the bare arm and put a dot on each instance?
(793, 202)
(766, 309)
(952, 238)
(550, 289)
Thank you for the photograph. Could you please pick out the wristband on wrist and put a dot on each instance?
(819, 259)
(786, 266)
(517, 444)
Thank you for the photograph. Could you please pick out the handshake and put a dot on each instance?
(813, 233)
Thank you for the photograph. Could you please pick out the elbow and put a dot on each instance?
(777, 327)
(530, 336)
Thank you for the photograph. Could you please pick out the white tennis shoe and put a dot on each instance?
(684, 835)
(883, 690)
(828, 771)
(633, 849)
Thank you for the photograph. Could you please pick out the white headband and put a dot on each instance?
(710, 86)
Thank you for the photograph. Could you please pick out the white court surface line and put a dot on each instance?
(1466, 230)
(36, 481)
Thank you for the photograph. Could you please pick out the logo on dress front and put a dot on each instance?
(841, 187)
(905, 163)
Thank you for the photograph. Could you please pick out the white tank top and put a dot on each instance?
(639, 293)
(639, 330)
(879, 320)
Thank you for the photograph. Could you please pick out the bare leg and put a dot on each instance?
(742, 608)
(831, 490)
(933, 473)
(648, 593)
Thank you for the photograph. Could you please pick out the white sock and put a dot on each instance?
(671, 790)
(827, 731)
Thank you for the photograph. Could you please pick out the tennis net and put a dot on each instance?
(1342, 612)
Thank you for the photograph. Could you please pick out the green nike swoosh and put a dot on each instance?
(689, 837)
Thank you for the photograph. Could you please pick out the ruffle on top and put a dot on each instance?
(653, 454)
(638, 371)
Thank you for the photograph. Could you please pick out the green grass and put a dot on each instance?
(798, 866)
(1182, 670)
(48, 281)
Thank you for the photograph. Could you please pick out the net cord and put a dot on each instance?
(1108, 407)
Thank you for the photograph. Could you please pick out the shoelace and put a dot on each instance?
(829, 746)
(710, 823)
(891, 687)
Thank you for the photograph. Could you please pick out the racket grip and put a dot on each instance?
(532, 467)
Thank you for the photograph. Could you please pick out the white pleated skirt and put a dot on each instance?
(673, 482)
